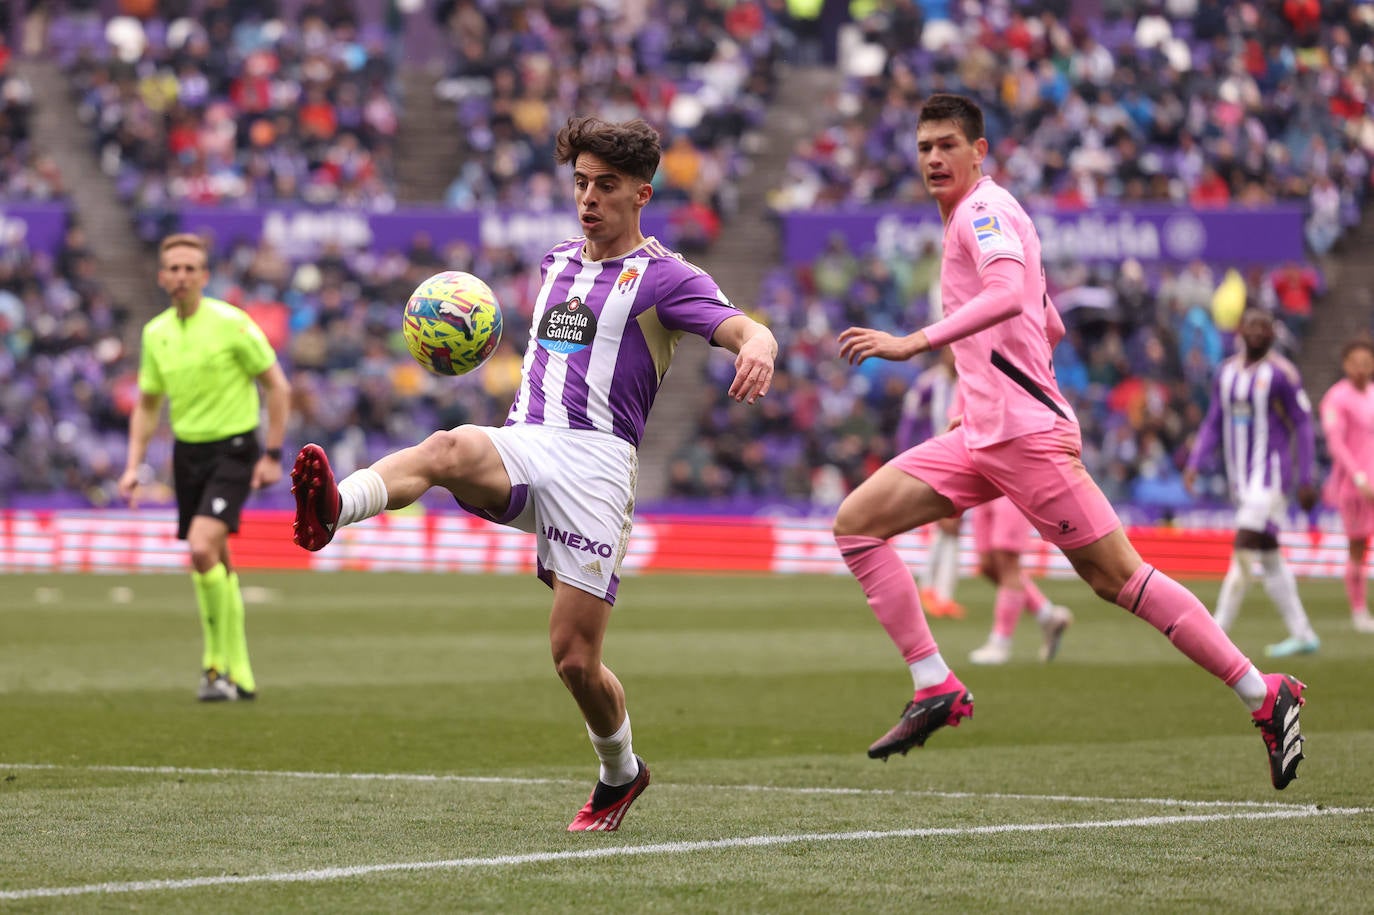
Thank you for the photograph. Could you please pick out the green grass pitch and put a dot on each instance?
(412, 750)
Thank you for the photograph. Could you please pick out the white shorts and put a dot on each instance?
(573, 489)
(1262, 508)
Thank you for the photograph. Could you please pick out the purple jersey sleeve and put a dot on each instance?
(1292, 400)
(688, 300)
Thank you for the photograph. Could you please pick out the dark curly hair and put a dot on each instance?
(630, 146)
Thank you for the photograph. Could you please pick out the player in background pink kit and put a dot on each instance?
(1001, 535)
(1347, 415)
(1018, 438)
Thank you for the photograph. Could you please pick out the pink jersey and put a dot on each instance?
(1006, 375)
(1347, 415)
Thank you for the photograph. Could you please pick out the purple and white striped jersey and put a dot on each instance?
(1263, 420)
(604, 333)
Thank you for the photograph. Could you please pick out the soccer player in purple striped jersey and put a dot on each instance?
(609, 315)
(1018, 438)
(1261, 419)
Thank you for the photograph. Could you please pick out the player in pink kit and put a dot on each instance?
(1347, 415)
(564, 465)
(1018, 438)
(1001, 535)
(926, 411)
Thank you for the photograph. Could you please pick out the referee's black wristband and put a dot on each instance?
(273, 453)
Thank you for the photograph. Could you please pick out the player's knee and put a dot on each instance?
(1106, 582)
(1109, 589)
(205, 554)
(448, 451)
(575, 668)
(850, 521)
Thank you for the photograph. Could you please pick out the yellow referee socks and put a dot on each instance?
(235, 637)
(212, 596)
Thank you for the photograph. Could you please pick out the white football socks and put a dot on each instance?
(1282, 586)
(944, 574)
(929, 671)
(1251, 689)
(362, 494)
(617, 755)
(1233, 587)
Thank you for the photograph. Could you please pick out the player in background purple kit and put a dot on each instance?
(608, 317)
(1262, 420)
(1018, 438)
(1347, 414)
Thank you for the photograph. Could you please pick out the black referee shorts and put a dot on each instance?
(213, 479)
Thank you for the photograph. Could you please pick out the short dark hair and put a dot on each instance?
(1363, 341)
(960, 109)
(630, 146)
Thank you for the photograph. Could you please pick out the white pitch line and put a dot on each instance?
(321, 875)
(778, 789)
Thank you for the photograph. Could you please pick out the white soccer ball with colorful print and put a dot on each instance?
(452, 323)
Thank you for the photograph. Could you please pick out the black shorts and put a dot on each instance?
(213, 479)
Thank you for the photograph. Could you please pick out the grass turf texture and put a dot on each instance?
(735, 685)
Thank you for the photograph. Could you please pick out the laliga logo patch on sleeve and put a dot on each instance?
(987, 230)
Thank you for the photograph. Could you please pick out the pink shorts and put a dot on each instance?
(1357, 517)
(999, 525)
(1042, 474)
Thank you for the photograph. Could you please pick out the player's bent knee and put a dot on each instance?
(449, 451)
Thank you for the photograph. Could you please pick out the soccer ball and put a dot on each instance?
(452, 323)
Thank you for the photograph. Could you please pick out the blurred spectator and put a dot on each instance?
(1295, 286)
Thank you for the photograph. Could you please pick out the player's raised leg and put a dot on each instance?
(461, 460)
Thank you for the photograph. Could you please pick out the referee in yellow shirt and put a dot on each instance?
(208, 358)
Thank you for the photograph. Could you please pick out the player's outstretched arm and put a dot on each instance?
(755, 350)
(859, 343)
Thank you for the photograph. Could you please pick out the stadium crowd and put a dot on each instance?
(208, 99)
(1198, 102)
(26, 173)
(1193, 102)
(701, 73)
(235, 103)
(1137, 363)
(67, 384)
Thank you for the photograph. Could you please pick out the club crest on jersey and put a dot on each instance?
(567, 327)
(987, 230)
(627, 279)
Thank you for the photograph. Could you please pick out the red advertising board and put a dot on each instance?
(110, 541)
